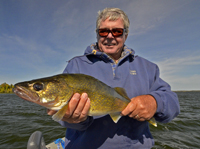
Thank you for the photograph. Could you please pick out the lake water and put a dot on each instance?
(19, 119)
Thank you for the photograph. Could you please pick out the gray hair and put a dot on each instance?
(113, 14)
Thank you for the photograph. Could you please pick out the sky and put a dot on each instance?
(38, 37)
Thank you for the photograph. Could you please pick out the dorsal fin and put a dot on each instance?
(122, 92)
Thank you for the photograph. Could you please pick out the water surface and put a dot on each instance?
(19, 119)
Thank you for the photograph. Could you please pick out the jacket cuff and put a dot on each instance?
(160, 103)
(79, 126)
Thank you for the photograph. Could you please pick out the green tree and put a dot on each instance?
(6, 88)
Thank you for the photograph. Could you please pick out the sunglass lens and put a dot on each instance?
(103, 32)
(117, 32)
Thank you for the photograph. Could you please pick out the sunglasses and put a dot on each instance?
(116, 32)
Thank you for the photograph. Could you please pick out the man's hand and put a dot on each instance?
(141, 108)
(78, 109)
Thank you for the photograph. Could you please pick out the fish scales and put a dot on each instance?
(56, 91)
(101, 96)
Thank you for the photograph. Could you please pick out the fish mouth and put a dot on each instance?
(25, 94)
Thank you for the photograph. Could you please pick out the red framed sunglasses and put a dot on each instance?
(116, 32)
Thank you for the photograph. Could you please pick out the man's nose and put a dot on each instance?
(110, 35)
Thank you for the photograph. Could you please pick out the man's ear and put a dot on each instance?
(97, 37)
(126, 36)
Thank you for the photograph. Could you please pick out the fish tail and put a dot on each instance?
(153, 122)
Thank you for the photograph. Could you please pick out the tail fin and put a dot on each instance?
(153, 122)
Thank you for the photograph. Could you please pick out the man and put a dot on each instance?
(113, 63)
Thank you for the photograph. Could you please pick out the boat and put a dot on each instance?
(36, 141)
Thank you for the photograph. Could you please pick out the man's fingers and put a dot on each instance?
(80, 106)
(78, 109)
(51, 112)
(129, 109)
(73, 103)
(85, 110)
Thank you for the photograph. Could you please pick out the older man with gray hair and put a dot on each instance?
(115, 64)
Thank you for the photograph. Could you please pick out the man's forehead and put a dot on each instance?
(112, 23)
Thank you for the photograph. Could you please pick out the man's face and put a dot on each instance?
(112, 45)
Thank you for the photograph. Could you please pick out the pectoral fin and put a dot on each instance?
(115, 116)
(153, 122)
(59, 115)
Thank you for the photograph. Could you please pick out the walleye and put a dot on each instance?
(55, 92)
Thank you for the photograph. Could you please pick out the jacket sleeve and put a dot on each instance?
(79, 126)
(72, 67)
(167, 101)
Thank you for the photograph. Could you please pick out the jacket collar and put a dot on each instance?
(94, 50)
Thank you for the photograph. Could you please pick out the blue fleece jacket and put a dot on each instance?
(137, 76)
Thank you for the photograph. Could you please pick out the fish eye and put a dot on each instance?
(38, 86)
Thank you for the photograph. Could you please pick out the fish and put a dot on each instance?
(55, 92)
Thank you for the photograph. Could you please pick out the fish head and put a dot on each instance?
(48, 92)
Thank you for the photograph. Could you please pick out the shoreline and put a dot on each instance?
(187, 91)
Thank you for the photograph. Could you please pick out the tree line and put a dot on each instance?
(6, 88)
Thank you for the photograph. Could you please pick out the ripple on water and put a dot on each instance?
(19, 119)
